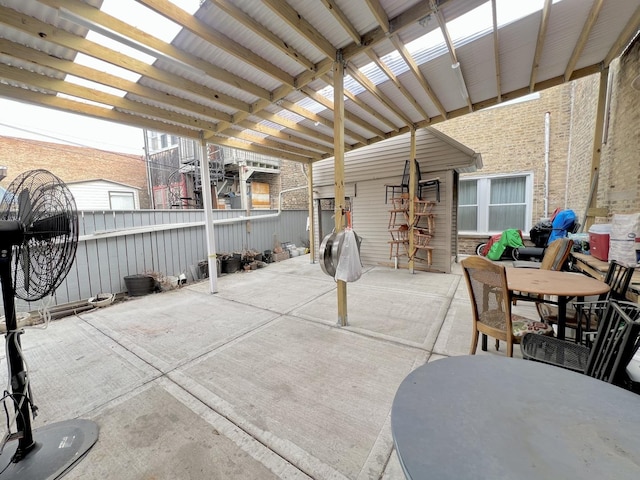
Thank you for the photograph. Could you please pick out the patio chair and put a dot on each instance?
(555, 257)
(616, 342)
(491, 305)
(618, 278)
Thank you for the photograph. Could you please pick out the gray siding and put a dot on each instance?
(114, 244)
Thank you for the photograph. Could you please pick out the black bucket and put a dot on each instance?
(138, 285)
(230, 264)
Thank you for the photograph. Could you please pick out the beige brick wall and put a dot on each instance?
(71, 163)
(511, 139)
(619, 185)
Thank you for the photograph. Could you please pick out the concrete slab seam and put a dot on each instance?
(298, 457)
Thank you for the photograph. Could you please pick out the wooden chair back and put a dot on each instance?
(490, 301)
(556, 254)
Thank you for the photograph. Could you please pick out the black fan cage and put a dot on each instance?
(45, 211)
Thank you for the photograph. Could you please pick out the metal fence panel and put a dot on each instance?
(114, 244)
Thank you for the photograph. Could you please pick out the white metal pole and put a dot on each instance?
(205, 175)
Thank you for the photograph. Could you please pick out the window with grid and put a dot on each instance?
(494, 204)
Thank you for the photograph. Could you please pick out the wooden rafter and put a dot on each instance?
(303, 27)
(630, 30)
(12, 49)
(275, 133)
(542, 30)
(241, 17)
(387, 71)
(415, 69)
(379, 14)
(202, 30)
(362, 79)
(496, 49)
(102, 113)
(314, 117)
(62, 86)
(118, 26)
(342, 19)
(350, 117)
(37, 28)
(582, 40)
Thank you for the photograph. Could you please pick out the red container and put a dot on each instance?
(599, 246)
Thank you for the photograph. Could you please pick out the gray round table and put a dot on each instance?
(485, 417)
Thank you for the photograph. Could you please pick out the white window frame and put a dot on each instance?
(122, 194)
(484, 192)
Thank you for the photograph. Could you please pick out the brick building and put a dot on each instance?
(73, 164)
(550, 134)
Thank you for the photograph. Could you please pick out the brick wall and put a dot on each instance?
(71, 163)
(292, 175)
(511, 139)
(619, 183)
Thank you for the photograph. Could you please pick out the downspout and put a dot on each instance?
(547, 123)
(152, 202)
(566, 184)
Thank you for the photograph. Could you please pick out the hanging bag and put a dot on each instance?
(349, 268)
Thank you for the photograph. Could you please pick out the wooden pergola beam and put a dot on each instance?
(582, 40)
(542, 30)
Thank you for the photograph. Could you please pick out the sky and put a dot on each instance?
(48, 125)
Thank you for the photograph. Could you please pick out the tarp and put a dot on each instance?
(509, 238)
(562, 223)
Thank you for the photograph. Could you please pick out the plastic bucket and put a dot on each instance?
(138, 285)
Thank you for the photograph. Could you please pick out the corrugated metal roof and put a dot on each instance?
(233, 62)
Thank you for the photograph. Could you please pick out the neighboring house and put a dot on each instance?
(239, 179)
(537, 155)
(367, 171)
(100, 194)
(74, 164)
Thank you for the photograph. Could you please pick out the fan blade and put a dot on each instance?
(50, 227)
(25, 209)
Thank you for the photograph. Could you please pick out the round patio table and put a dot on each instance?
(564, 285)
(488, 417)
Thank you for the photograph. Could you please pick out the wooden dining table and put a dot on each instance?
(564, 285)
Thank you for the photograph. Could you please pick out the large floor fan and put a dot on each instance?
(38, 241)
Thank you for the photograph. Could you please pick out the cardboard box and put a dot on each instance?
(278, 257)
(599, 241)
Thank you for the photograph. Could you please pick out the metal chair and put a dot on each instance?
(616, 342)
(491, 305)
(618, 278)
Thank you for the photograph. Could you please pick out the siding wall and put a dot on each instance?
(114, 244)
(95, 195)
(369, 169)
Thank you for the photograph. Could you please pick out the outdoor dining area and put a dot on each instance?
(568, 409)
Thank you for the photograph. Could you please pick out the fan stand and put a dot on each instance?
(51, 451)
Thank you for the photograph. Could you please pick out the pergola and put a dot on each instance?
(302, 80)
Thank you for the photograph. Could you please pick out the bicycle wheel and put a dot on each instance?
(480, 248)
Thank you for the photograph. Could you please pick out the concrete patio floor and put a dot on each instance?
(254, 382)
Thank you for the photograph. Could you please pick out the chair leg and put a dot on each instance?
(484, 342)
(509, 348)
(497, 345)
(474, 342)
